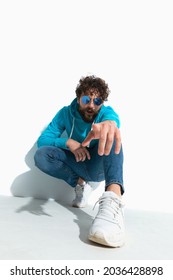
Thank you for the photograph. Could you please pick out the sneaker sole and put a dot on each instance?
(101, 241)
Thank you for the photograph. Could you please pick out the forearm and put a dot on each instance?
(49, 141)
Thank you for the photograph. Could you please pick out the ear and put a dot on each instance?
(78, 100)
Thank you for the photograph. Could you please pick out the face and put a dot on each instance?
(89, 105)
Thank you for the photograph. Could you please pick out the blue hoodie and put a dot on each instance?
(69, 120)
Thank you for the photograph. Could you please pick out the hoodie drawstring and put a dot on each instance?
(71, 132)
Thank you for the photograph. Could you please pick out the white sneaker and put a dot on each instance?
(108, 226)
(82, 195)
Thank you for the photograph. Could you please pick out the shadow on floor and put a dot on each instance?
(82, 218)
(35, 206)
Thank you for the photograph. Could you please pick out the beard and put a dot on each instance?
(88, 115)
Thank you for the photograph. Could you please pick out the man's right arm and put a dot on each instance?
(51, 136)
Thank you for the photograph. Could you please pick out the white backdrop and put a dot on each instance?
(46, 46)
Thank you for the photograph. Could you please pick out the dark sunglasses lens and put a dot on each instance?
(98, 101)
(85, 99)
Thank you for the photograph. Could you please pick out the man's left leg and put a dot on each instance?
(108, 225)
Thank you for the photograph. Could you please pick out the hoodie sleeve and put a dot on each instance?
(109, 114)
(51, 136)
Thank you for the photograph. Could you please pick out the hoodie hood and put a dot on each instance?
(74, 107)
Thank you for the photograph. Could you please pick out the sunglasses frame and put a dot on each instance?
(86, 100)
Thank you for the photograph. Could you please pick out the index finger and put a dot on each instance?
(88, 139)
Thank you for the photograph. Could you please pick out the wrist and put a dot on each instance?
(68, 142)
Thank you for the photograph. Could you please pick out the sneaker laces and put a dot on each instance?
(109, 206)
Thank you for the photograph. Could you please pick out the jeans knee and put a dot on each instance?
(38, 158)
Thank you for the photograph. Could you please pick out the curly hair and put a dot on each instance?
(92, 83)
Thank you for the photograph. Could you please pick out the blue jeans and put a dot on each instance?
(61, 163)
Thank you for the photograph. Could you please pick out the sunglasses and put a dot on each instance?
(86, 99)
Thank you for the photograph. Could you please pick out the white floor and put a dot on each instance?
(53, 230)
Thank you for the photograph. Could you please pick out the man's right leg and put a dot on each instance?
(61, 164)
(52, 161)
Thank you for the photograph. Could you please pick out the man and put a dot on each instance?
(92, 152)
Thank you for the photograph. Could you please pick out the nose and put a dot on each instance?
(91, 104)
